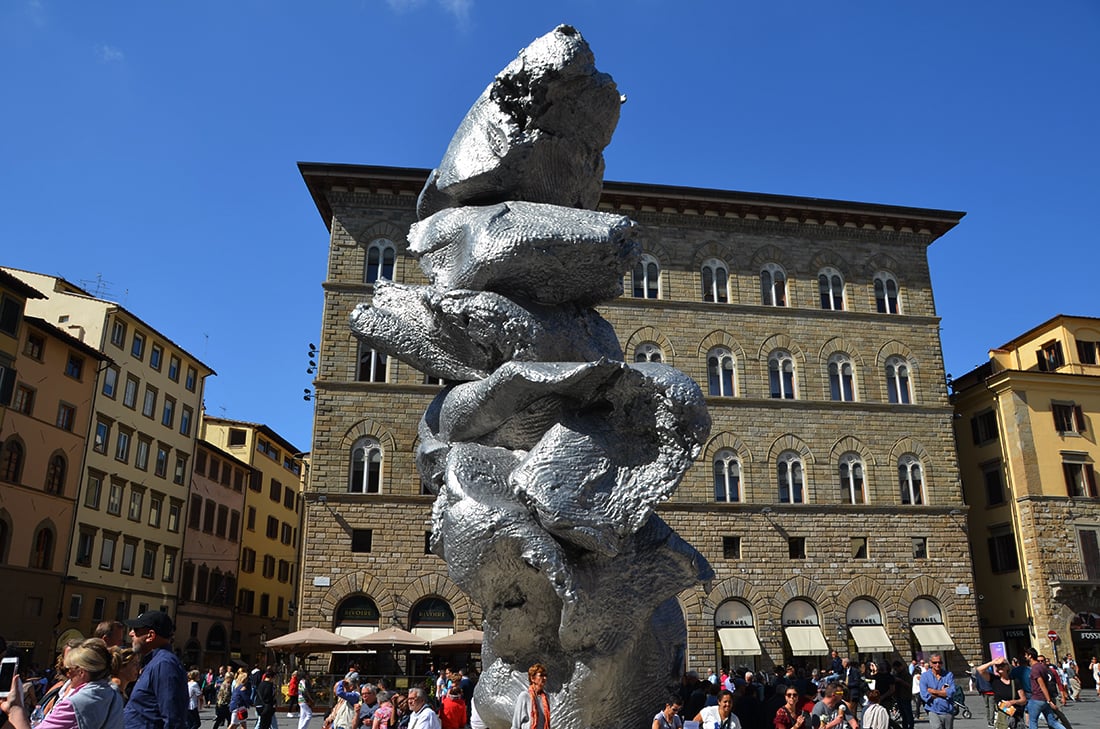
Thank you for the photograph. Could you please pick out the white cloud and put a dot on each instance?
(109, 54)
(458, 8)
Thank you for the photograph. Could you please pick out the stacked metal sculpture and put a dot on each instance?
(548, 452)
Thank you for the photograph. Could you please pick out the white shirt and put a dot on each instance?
(424, 719)
(710, 719)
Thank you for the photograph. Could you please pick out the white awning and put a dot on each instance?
(806, 640)
(871, 639)
(739, 641)
(433, 633)
(933, 637)
(355, 632)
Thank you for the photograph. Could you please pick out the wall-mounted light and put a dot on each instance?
(766, 510)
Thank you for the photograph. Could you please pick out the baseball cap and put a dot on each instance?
(153, 620)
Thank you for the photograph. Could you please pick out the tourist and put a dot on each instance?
(720, 716)
(452, 709)
(831, 711)
(1094, 667)
(194, 700)
(91, 703)
(112, 632)
(292, 695)
(305, 700)
(916, 671)
(903, 699)
(1010, 697)
(125, 669)
(384, 715)
(875, 715)
(669, 717)
(936, 687)
(983, 677)
(532, 708)
(789, 715)
(421, 715)
(266, 698)
(159, 697)
(345, 715)
(221, 701)
(1040, 699)
(240, 699)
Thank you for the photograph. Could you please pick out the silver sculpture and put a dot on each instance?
(547, 451)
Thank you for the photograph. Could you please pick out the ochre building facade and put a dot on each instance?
(828, 497)
(1028, 450)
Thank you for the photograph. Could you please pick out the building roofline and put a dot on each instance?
(225, 454)
(319, 176)
(72, 289)
(20, 286)
(69, 339)
(1048, 324)
(286, 444)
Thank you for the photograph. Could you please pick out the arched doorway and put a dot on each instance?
(866, 633)
(217, 647)
(735, 637)
(354, 618)
(802, 635)
(928, 632)
(192, 654)
(431, 618)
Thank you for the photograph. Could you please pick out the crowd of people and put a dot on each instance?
(877, 695)
(128, 677)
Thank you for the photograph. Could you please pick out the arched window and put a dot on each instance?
(790, 478)
(11, 461)
(897, 381)
(648, 352)
(366, 467)
(715, 281)
(42, 556)
(781, 374)
(911, 480)
(372, 365)
(842, 382)
(773, 285)
(55, 474)
(380, 257)
(852, 487)
(831, 286)
(886, 293)
(647, 278)
(721, 373)
(727, 476)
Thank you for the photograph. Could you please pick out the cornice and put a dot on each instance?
(384, 185)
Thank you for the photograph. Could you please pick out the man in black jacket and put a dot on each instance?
(265, 699)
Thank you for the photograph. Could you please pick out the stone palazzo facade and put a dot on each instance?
(827, 498)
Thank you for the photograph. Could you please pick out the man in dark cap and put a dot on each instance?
(159, 697)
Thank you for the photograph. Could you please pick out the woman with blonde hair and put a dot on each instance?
(92, 702)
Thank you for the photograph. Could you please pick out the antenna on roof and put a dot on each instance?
(98, 288)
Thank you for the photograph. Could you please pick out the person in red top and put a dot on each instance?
(452, 710)
(791, 714)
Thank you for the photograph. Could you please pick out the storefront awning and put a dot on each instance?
(871, 639)
(739, 641)
(933, 637)
(806, 640)
(355, 632)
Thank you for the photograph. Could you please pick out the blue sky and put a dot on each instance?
(154, 145)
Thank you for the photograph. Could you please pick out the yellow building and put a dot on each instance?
(268, 570)
(128, 531)
(1026, 430)
(13, 300)
(42, 437)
